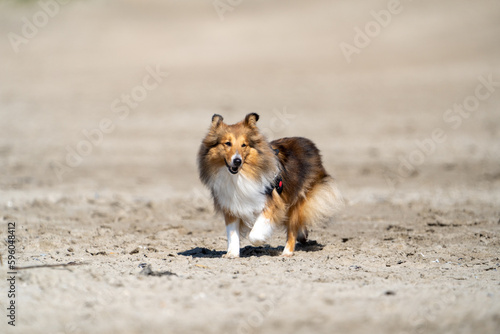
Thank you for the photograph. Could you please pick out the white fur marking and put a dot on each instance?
(261, 231)
(236, 155)
(233, 239)
(286, 251)
(240, 195)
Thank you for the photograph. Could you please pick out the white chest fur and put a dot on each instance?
(240, 195)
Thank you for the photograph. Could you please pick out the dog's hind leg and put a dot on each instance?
(296, 229)
(291, 239)
(302, 235)
(320, 203)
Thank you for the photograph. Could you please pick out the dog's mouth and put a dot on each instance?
(232, 169)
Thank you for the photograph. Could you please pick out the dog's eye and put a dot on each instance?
(228, 143)
(243, 145)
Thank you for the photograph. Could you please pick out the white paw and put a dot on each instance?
(287, 253)
(261, 231)
(233, 240)
(231, 255)
(256, 240)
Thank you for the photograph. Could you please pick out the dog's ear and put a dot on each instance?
(216, 120)
(251, 120)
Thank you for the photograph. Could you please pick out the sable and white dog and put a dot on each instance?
(259, 186)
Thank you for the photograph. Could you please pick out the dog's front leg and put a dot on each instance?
(233, 236)
(261, 231)
(264, 226)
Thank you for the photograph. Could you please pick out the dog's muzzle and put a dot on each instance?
(234, 168)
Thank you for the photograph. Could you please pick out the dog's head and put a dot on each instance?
(238, 147)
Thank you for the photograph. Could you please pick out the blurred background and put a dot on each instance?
(364, 80)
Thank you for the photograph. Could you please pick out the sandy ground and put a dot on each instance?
(416, 250)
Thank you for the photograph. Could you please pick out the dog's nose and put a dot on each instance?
(237, 162)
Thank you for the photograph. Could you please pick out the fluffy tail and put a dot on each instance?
(323, 202)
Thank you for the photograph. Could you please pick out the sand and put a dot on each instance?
(102, 111)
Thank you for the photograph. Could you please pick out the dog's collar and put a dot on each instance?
(278, 180)
(276, 184)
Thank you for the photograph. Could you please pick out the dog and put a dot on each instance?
(260, 186)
